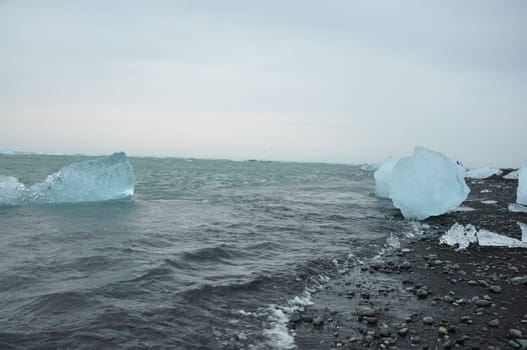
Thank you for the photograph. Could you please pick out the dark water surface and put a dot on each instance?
(207, 255)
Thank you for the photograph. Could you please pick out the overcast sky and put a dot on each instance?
(333, 81)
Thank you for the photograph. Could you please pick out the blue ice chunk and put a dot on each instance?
(11, 189)
(427, 184)
(89, 181)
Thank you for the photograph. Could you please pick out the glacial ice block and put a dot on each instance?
(383, 176)
(427, 184)
(89, 181)
(10, 189)
(521, 192)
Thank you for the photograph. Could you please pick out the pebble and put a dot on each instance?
(402, 331)
(482, 303)
(365, 311)
(384, 331)
(421, 293)
(494, 288)
(519, 280)
(515, 333)
(307, 318)
(428, 320)
(483, 283)
(466, 319)
(494, 323)
(295, 317)
(436, 262)
(318, 321)
(405, 265)
(448, 299)
(371, 320)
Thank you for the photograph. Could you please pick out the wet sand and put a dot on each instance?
(424, 295)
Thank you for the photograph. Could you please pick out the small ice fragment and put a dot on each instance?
(457, 234)
(491, 239)
(426, 184)
(461, 209)
(523, 227)
(464, 236)
(521, 192)
(517, 208)
(485, 191)
(513, 175)
(483, 173)
(383, 176)
(489, 202)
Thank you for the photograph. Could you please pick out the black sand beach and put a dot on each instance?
(424, 295)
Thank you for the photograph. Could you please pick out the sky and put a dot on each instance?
(330, 81)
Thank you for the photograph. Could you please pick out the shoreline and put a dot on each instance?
(425, 295)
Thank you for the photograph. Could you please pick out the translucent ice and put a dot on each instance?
(464, 236)
(460, 235)
(521, 192)
(10, 189)
(89, 181)
(483, 173)
(491, 239)
(383, 176)
(517, 208)
(427, 184)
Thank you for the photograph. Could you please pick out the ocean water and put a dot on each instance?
(208, 254)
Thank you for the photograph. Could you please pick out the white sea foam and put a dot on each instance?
(278, 335)
(489, 202)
